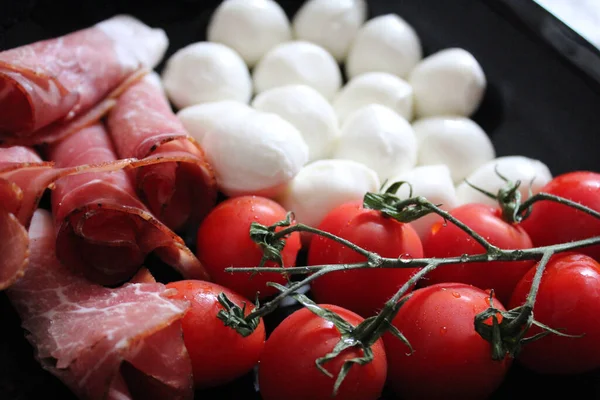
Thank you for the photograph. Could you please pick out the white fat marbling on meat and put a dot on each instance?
(136, 39)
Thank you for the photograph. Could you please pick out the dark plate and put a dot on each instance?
(543, 101)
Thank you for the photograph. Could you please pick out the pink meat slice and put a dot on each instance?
(123, 343)
(14, 248)
(103, 229)
(180, 193)
(51, 87)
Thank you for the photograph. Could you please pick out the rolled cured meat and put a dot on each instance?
(23, 179)
(123, 343)
(103, 229)
(51, 88)
(142, 125)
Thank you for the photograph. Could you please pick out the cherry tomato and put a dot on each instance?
(224, 241)
(568, 299)
(287, 367)
(362, 291)
(448, 240)
(219, 354)
(552, 223)
(450, 359)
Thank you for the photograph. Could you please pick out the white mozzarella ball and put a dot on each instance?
(379, 138)
(308, 111)
(256, 154)
(532, 173)
(332, 24)
(250, 27)
(205, 72)
(201, 118)
(449, 82)
(298, 62)
(432, 182)
(323, 185)
(458, 142)
(384, 44)
(374, 88)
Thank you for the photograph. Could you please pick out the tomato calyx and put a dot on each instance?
(391, 206)
(270, 243)
(507, 336)
(361, 336)
(509, 198)
(233, 316)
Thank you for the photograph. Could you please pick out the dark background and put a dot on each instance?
(542, 101)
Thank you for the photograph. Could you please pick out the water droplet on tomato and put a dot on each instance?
(443, 330)
(456, 294)
(405, 258)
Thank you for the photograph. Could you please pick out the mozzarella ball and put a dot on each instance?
(205, 72)
(384, 44)
(332, 24)
(308, 111)
(532, 173)
(250, 27)
(298, 62)
(432, 182)
(374, 88)
(201, 118)
(458, 142)
(323, 185)
(379, 138)
(256, 154)
(449, 82)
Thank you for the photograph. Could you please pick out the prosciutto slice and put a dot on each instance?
(23, 179)
(142, 124)
(51, 88)
(103, 229)
(123, 343)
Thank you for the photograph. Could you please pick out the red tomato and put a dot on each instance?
(552, 223)
(568, 299)
(219, 354)
(224, 241)
(362, 291)
(447, 240)
(287, 367)
(450, 359)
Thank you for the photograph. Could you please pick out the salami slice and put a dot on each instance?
(47, 86)
(103, 229)
(123, 343)
(142, 124)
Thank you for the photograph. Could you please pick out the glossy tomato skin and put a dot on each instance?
(450, 359)
(224, 241)
(569, 299)
(361, 291)
(448, 240)
(287, 367)
(551, 223)
(218, 353)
